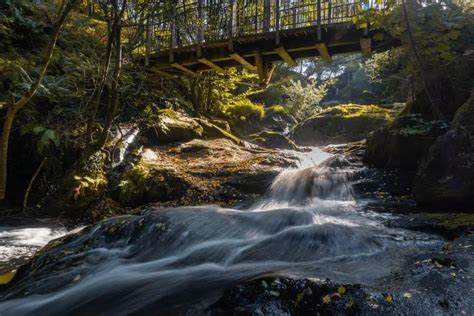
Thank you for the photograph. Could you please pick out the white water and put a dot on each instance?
(180, 260)
(17, 244)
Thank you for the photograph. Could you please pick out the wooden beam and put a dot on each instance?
(241, 60)
(211, 65)
(323, 52)
(162, 73)
(366, 46)
(281, 51)
(183, 69)
(261, 69)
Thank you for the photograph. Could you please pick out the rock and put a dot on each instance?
(269, 139)
(213, 131)
(280, 122)
(146, 183)
(342, 124)
(172, 126)
(253, 181)
(404, 143)
(445, 178)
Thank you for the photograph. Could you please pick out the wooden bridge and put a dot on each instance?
(194, 36)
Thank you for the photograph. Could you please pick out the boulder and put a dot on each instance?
(445, 178)
(147, 183)
(404, 143)
(342, 124)
(171, 126)
(269, 139)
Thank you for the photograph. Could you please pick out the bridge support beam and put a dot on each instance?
(264, 68)
(281, 51)
(183, 69)
(211, 65)
(366, 46)
(162, 73)
(323, 52)
(243, 62)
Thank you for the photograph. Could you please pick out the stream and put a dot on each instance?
(310, 224)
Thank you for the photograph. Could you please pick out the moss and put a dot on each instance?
(244, 110)
(146, 183)
(348, 111)
(277, 110)
(451, 221)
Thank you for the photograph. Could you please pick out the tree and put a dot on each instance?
(14, 106)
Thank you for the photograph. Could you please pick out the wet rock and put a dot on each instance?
(145, 183)
(171, 126)
(446, 175)
(342, 124)
(269, 139)
(403, 143)
(256, 181)
(279, 122)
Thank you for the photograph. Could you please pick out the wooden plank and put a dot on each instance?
(211, 65)
(366, 46)
(162, 73)
(281, 51)
(323, 52)
(183, 69)
(241, 60)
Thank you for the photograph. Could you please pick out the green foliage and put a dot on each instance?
(243, 110)
(303, 100)
(45, 137)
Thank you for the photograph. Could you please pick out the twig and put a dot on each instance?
(30, 185)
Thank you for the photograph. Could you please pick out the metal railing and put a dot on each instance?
(187, 23)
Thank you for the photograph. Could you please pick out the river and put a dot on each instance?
(310, 224)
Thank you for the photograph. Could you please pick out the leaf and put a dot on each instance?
(388, 298)
(341, 290)
(326, 299)
(7, 277)
(407, 295)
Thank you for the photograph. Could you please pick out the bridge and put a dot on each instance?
(194, 36)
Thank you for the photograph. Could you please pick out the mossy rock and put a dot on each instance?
(445, 178)
(343, 123)
(403, 143)
(81, 188)
(212, 131)
(170, 126)
(270, 139)
(146, 183)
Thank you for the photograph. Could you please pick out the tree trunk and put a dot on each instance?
(114, 94)
(17, 106)
(434, 106)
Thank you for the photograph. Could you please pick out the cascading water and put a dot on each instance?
(181, 260)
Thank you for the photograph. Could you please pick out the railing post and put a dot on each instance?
(318, 8)
(267, 15)
(201, 31)
(329, 11)
(232, 23)
(173, 35)
(277, 22)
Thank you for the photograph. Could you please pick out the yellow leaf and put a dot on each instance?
(326, 299)
(388, 298)
(341, 290)
(7, 277)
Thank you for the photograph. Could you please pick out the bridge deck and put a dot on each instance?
(219, 34)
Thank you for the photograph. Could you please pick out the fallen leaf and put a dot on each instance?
(407, 295)
(326, 299)
(341, 290)
(388, 298)
(77, 278)
(7, 277)
(453, 274)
